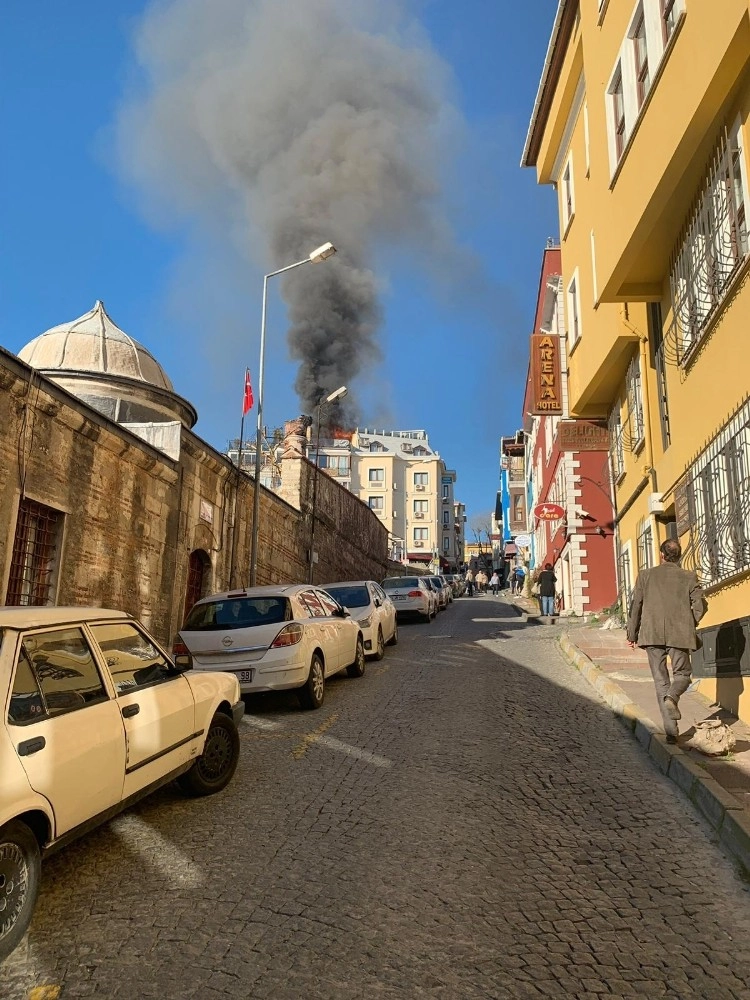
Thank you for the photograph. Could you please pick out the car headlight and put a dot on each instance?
(365, 622)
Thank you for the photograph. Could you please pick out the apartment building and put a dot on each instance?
(640, 124)
(567, 465)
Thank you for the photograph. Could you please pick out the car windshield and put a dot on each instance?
(238, 612)
(397, 582)
(350, 597)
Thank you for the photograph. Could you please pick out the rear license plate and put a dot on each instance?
(245, 676)
(398, 597)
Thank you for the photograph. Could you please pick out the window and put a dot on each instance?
(330, 606)
(375, 503)
(447, 544)
(586, 140)
(640, 52)
(518, 507)
(35, 554)
(336, 465)
(617, 101)
(376, 475)
(420, 450)
(133, 660)
(309, 601)
(712, 245)
(420, 534)
(574, 311)
(635, 403)
(65, 671)
(567, 193)
(421, 479)
(669, 14)
(617, 450)
(26, 704)
(717, 487)
(421, 507)
(645, 544)
(446, 518)
(377, 446)
(446, 492)
(625, 577)
(658, 362)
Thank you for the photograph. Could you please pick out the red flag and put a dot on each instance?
(247, 401)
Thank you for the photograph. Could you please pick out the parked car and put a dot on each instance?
(457, 583)
(411, 595)
(95, 715)
(373, 609)
(441, 589)
(290, 636)
(446, 587)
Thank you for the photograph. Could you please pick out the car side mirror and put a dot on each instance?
(377, 602)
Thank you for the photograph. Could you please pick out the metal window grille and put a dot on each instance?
(34, 555)
(635, 403)
(711, 247)
(656, 336)
(718, 493)
(645, 544)
(617, 449)
(624, 576)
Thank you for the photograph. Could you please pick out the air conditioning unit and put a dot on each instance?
(418, 545)
(446, 500)
(406, 447)
(395, 486)
(418, 513)
(421, 489)
(656, 503)
(364, 442)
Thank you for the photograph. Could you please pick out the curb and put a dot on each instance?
(723, 812)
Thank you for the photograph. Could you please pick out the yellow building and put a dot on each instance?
(640, 124)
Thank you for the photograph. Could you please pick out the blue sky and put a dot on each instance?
(453, 362)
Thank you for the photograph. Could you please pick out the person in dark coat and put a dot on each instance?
(547, 581)
(667, 605)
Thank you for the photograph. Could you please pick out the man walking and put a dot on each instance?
(667, 605)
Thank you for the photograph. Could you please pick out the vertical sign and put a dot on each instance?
(546, 380)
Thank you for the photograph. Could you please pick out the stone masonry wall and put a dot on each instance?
(133, 516)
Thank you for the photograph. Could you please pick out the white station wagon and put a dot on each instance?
(94, 716)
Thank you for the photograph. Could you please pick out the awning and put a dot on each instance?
(419, 557)
(510, 549)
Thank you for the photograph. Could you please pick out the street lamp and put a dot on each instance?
(316, 257)
(332, 398)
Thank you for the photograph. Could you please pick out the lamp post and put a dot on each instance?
(317, 256)
(332, 398)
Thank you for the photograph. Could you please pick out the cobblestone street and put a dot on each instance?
(464, 821)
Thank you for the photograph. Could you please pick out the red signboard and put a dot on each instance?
(549, 511)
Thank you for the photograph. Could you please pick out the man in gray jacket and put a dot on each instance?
(667, 605)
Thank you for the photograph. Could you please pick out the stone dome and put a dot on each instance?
(92, 358)
(93, 343)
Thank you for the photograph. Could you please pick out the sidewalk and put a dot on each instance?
(719, 787)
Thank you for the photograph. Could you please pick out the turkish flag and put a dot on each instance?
(247, 401)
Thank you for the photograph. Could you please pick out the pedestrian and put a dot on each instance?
(481, 581)
(469, 578)
(547, 581)
(495, 583)
(667, 605)
(519, 575)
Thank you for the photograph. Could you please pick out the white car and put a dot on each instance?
(369, 604)
(412, 595)
(95, 716)
(273, 639)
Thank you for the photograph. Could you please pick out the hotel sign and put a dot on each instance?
(583, 435)
(546, 378)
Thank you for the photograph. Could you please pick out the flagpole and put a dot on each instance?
(237, 489)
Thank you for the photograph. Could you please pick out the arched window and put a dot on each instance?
(199, 566)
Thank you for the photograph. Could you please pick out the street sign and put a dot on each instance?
(549, 511)
(523, 541)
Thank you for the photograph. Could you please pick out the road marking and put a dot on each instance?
(309, 738)
(256, 723)
(350, 751)
(158, 851)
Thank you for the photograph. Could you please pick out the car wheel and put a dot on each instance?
(313, 691)
(20, 875)
(213, 770)
(394, 638)
(380, 646)
(357, 668)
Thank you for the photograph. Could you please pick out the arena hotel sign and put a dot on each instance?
(546, 381)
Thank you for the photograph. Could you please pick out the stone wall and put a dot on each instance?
(132, 516)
